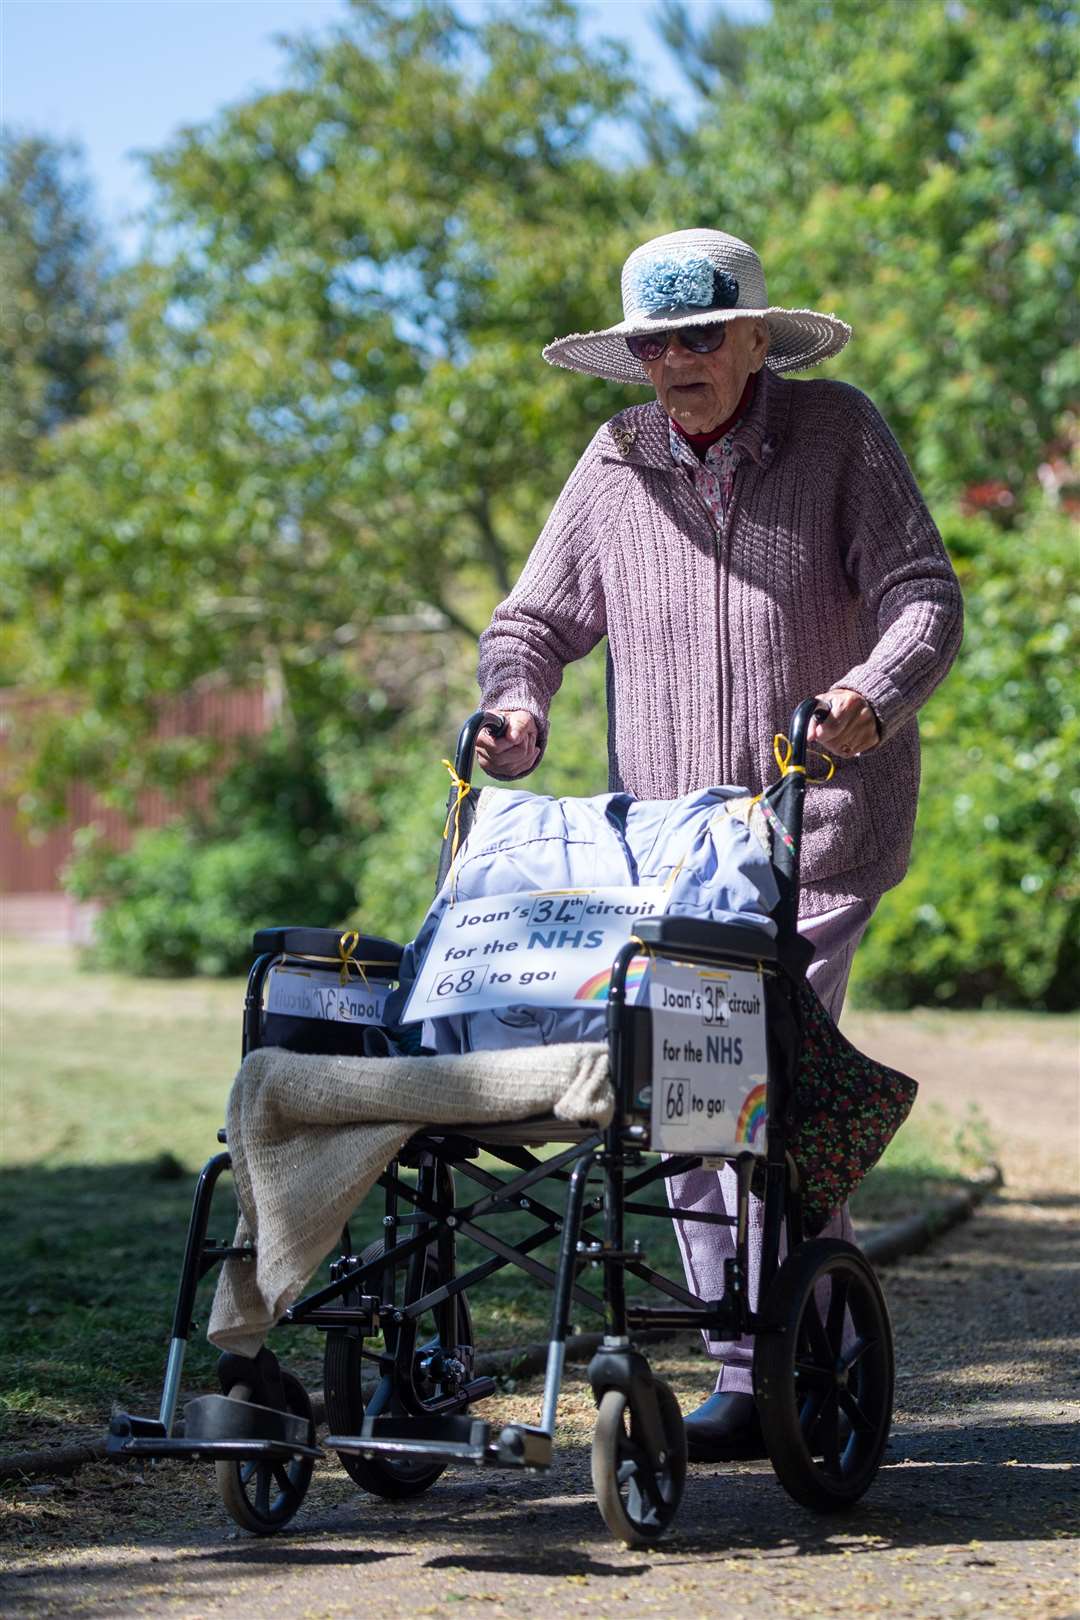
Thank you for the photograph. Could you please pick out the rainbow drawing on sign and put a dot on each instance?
(596, 988)
(751, 1123)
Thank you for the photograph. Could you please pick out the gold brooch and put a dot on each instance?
(624, 439)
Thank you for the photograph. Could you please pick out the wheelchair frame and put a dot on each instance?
(419, 1420)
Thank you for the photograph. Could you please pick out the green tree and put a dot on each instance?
(270, 847)
(56, 302)
(913, 165)
(332, 429)
(989, 914)
(714, 53)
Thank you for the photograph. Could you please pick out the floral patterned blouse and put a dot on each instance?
(713, 478)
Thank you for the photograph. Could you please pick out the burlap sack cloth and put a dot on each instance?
(310, 1135)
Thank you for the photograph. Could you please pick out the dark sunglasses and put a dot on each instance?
(698, 339)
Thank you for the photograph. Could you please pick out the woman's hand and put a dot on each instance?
(852, 726)
(515, 752)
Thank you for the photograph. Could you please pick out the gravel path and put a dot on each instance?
(975, 1513)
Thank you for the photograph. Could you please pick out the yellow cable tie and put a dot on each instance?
(463, 790)
(782, 752)
(346, 946)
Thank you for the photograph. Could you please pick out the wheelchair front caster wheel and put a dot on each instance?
(263, 1496)
(637, 1500)
(824, 1381)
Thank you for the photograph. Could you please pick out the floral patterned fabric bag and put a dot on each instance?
(845, 1109)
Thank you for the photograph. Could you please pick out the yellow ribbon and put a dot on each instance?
(454, 813)
(346, 946)
(782, 752)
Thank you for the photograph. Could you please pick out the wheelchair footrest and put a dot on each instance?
(453, 1439)
(216, 1417)
(211, 1450)
(131, 1436)
(449, 1439)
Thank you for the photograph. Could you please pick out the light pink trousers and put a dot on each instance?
(834, 936)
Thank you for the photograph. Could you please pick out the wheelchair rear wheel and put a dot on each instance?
(824, 1382)
(637, 1502)
(434, 1362)
(263, 1496)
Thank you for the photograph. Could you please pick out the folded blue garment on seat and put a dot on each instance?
(700, 847)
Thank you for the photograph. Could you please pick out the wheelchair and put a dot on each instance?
(403, 1398)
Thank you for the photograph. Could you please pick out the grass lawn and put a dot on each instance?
(113, 1090)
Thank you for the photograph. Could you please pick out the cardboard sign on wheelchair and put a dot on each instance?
(295, 991)
(709, 1061)
(541, 949)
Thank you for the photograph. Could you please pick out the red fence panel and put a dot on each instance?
(31, 863)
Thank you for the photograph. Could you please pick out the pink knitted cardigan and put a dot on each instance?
(828, 571)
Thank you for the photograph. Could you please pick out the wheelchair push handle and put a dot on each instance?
(787, 795)
(809, 709)
(461, 811)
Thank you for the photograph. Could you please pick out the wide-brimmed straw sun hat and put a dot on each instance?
(693, 278)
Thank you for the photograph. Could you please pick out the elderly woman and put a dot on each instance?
(743, 541)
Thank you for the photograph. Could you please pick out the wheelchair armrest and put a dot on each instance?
(326, 944)
(699, 934)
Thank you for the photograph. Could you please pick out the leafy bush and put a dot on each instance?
(186, 898)
(989, 914)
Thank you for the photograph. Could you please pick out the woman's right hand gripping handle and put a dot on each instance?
(515, 752)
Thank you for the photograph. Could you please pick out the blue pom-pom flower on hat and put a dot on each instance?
(664, 284)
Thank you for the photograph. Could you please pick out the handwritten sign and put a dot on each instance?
(319, 993)
(546, 949)
(709, 1062)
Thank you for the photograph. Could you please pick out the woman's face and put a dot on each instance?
(699, 391)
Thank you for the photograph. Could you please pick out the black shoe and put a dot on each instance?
(725, 1429)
